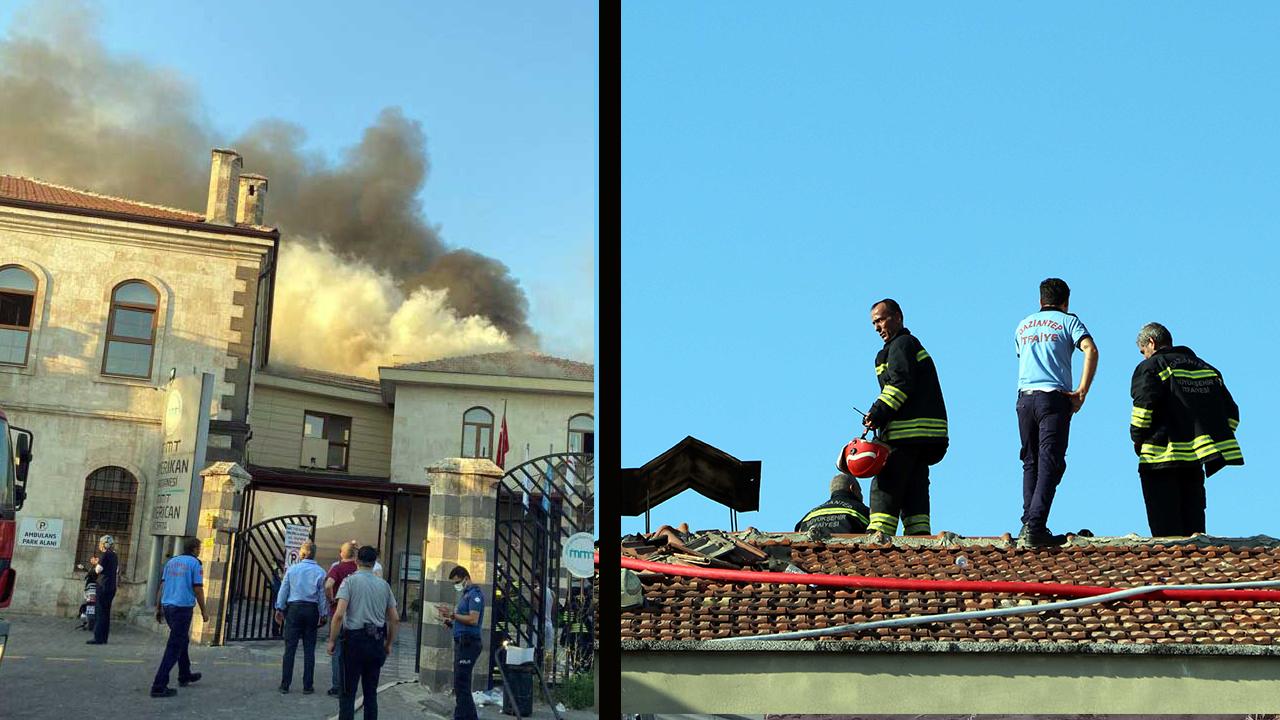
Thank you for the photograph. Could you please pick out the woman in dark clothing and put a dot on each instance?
(108, 567)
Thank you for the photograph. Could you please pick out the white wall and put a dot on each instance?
(428, 424)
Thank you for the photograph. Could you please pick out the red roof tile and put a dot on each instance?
(695, 609)
(39, 191)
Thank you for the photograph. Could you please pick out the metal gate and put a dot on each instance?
(536, 604)
(254, 574)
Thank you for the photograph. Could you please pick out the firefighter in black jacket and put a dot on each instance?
(911, 418)
(1183, 424)
(843, 513)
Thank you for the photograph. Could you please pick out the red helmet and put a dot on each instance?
(863, 458)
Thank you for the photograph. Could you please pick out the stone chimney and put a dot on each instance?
(224, 184)
(251, 200)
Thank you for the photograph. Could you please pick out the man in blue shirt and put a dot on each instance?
(301, 607)
(181, 589)
(1044, 342)
(465, 620)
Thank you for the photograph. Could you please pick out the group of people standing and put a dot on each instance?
(1182, 425)
(351, 596)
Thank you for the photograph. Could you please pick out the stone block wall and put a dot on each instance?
(460, 529)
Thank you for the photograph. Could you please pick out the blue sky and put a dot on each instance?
(506, 93)
(785, 166)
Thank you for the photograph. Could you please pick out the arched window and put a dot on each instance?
(107, 510)
(131, 330)
(17, 298)
(582, 434)
(477, 433)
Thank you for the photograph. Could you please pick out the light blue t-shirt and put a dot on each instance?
(181, 575)
(1045, 341)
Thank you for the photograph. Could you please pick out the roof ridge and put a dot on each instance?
(103, 196)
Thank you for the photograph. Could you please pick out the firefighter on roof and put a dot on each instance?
(1183, 426)
(843, 513)
(911, 418)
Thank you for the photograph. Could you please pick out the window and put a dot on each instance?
(325, 440)
(108, 510)
(582, 434)
(17, 298)
(131, 330)
(477, 433)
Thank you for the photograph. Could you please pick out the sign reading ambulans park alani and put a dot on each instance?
(186, 433)
(40, 532)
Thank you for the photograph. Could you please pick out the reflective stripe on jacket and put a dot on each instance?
(1182, 413)
(843, 513)
(910, 409)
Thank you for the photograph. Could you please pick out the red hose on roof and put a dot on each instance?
(883, 583)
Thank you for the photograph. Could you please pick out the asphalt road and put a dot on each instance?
(49, 673)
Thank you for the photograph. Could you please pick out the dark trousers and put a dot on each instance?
(300, 620)
(175, 651)
(466, 648)
(362, 658)
(1044, 423)
(102, 627)
(1175, 499)
(335, 665)
(901, 490)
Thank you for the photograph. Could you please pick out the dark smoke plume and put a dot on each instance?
(72, 113)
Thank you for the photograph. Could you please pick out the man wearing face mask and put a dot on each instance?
(465, 621)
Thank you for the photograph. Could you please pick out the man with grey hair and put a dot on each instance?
(301, 606)
(1183, 429)
(843, 513)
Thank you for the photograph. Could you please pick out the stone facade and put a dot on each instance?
(207, 280)
(460, 531)
(428, 423)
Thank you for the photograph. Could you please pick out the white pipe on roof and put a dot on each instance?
(852, 628)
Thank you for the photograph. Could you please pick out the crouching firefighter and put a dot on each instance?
(843, 513)
(1183, 429)
(911, 418)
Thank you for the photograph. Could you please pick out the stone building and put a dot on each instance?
(349, 450)
(102, 301)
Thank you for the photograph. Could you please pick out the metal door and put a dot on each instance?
(540, 504)
(257, 566)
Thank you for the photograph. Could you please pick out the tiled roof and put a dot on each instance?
(39, 191)
(690, 609)
(320, 376)
(510, 364)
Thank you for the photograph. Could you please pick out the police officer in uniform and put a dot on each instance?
(843, 513)
(367, 619)
(465, 621)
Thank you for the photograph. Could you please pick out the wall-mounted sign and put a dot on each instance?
(410, 567)
(186, 433)
(294, 536)
(578, 555)
(40, 532)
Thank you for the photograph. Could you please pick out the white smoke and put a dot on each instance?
(335, 315)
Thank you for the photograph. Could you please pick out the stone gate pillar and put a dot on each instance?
(220, 506)
(460, 528)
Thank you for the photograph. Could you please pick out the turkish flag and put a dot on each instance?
(503, 443)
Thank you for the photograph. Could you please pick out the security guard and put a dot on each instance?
(1183, 427)
(843, 513)
(367, 619)
(911, 418)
